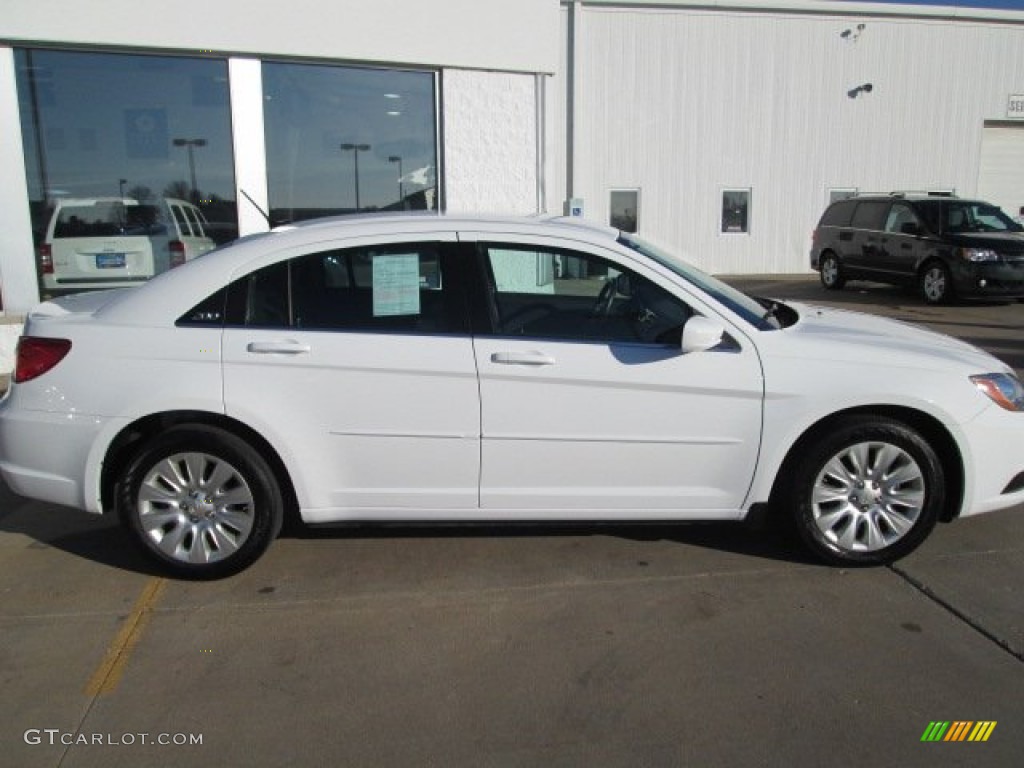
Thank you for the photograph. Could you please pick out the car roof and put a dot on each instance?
(175, 291)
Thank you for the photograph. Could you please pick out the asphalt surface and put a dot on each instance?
(701, 645)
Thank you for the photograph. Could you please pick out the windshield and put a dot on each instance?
(746, 307)
(967, 216)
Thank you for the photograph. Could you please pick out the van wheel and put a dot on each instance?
(867, 492)
(200, 501)
(831, 272)
(935, 283)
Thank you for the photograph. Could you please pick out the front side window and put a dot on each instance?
(967, 216)
(395, 288)
(112, 141)
(573, 296)
(348, 139)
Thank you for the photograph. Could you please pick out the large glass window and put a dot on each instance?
(129, 162)
(347, 139)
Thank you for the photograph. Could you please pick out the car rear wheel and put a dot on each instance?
(200, 501)
(935, 283)
(867, 492)
(831, 272)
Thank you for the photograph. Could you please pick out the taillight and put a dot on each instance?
(177, 253)
(46, 258)
(36, 356)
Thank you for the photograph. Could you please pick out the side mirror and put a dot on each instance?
(700, 334)
(910, 228)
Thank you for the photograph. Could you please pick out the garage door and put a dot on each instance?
(1001, 176)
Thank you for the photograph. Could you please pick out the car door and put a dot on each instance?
(865, 246)
(901, 243)
(589, 406)
(356, 362)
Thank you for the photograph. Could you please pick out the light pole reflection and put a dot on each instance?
(190, 145)
(355, 149)
(401, 188)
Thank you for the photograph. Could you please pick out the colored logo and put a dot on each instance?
(959, 730)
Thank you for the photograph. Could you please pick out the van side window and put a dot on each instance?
(901, 216)
(838, 214)
(870, 215)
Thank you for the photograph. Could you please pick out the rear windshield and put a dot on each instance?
(105, 218)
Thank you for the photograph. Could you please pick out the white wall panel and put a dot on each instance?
(515, 35)
(682, 103)
(490, 142)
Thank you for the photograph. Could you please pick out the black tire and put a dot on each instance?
(935, 283)
(830, 270)
(870, 514)
(200, 501)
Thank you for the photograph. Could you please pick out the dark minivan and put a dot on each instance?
(945, 246)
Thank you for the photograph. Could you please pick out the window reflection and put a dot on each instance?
(123, 137)
(347, 139)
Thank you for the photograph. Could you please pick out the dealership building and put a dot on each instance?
(719, 128)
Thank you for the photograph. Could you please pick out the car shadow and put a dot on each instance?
(97, 538)
(101, 539)
(765, 541)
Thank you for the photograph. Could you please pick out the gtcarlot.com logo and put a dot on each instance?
(958, 730)
(54, 736)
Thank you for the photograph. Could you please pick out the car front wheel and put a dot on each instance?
(200, 501)
(831, 272)
(867, 492)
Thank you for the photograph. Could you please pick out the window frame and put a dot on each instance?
(748, 192)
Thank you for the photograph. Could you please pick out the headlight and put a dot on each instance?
(977, 254)
(1004, 389)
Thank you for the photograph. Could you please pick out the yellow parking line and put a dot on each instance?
(106, 677)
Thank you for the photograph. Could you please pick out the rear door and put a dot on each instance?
(901, 243)
(589, 407)
(356, 361)
(864, 249)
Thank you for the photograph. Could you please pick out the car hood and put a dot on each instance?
(825, 333)
(1008, 243)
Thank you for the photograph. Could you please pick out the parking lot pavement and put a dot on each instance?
(703, 645)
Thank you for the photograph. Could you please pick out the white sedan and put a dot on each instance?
(429, 368)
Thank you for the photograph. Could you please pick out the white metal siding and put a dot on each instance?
(1001, 177)
(683, 103)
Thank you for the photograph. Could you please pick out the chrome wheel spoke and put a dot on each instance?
(196, 508)
(868, 496)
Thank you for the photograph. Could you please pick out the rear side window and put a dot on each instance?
(398, 289)
(870, 215)
(838, 214)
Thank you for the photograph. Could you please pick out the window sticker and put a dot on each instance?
(396, 284)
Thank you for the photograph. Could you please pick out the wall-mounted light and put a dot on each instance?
(852, 34)
(853, 93)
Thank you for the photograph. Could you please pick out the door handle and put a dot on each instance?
(277, 348)
(522, 358)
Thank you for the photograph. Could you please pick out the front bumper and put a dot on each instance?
(1003, 279)
(996, 462)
